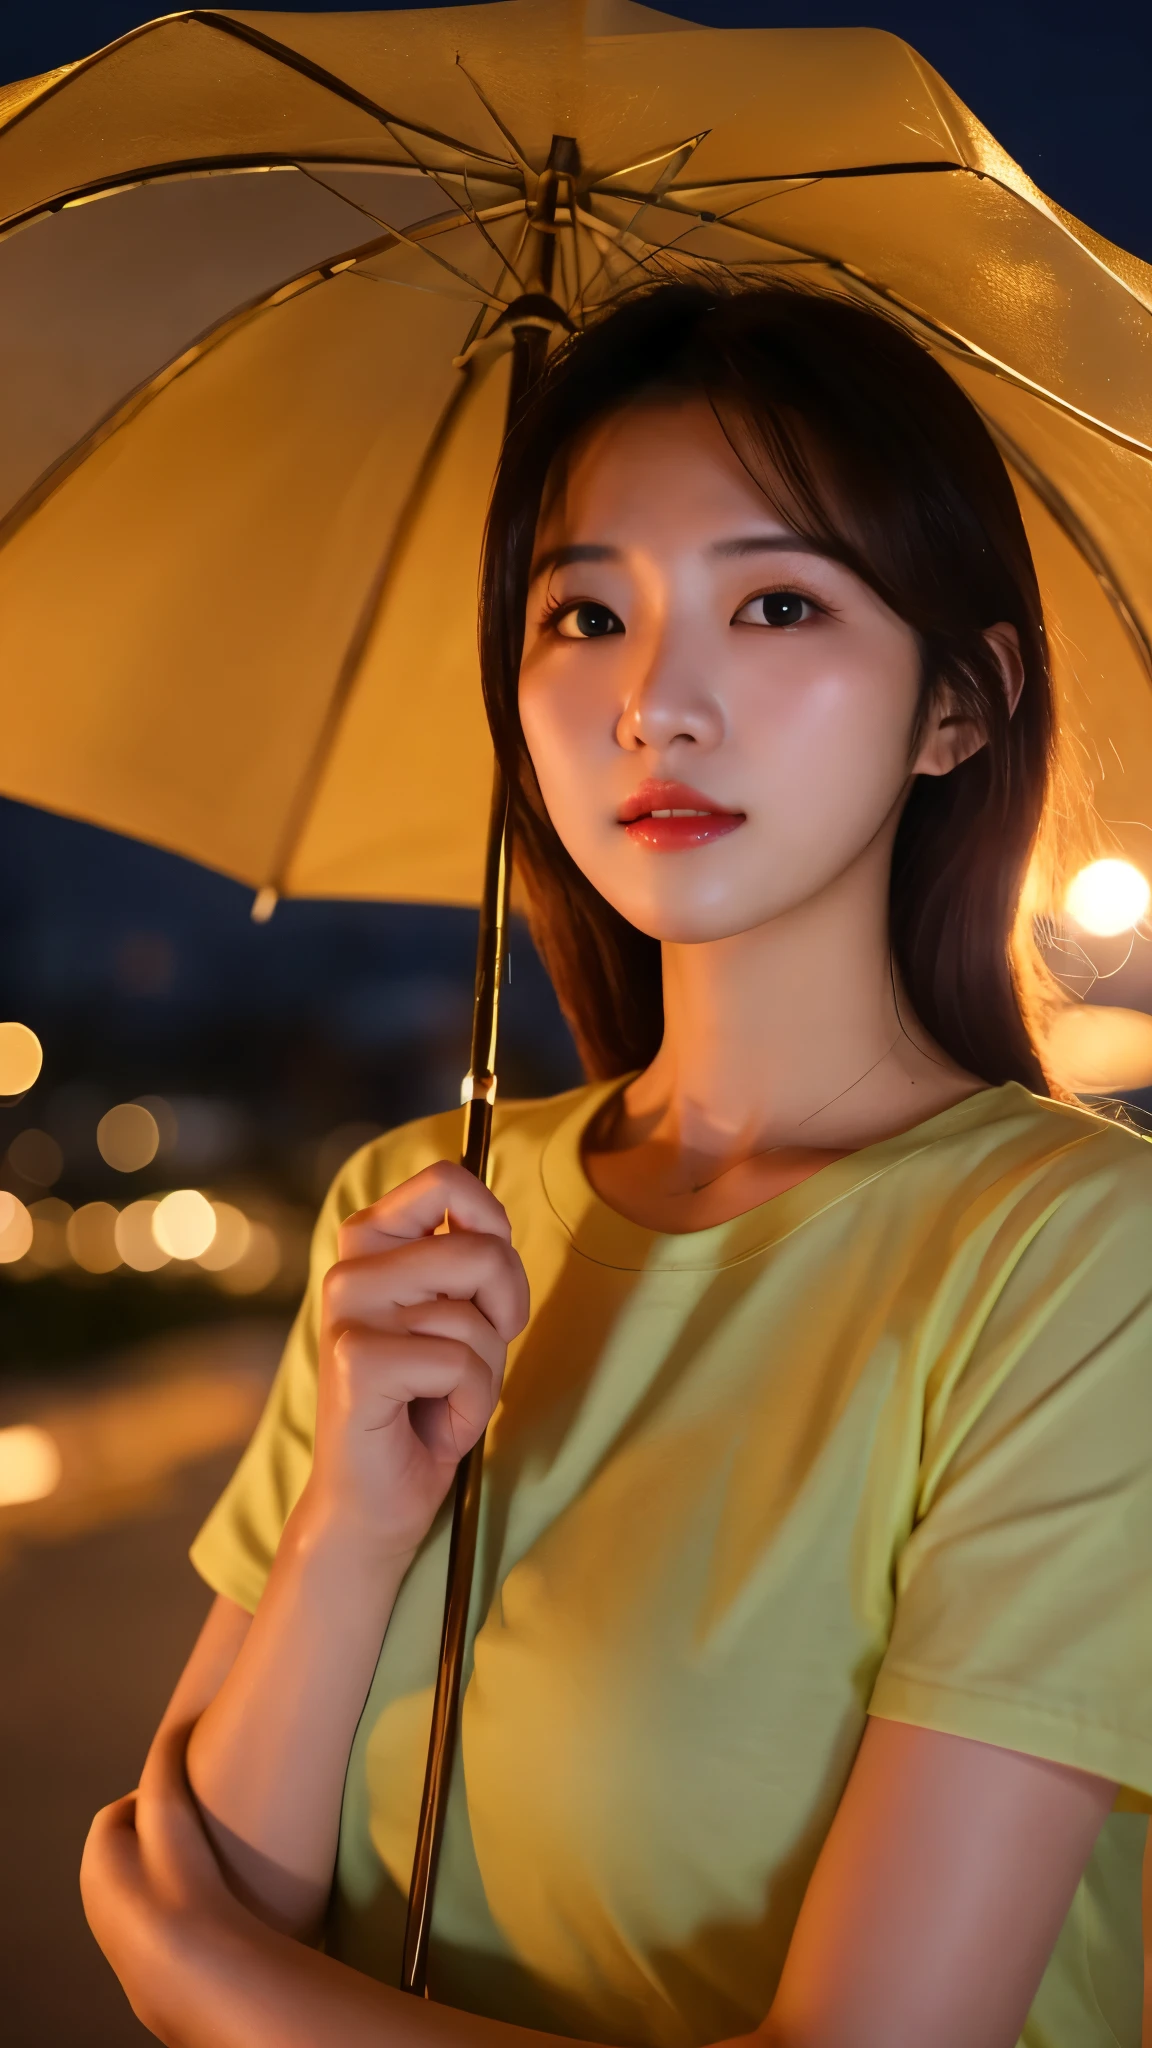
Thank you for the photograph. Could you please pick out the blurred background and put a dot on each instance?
(178, 1086)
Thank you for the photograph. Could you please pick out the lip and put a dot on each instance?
(705, 820)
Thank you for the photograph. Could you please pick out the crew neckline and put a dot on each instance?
(601, 1234)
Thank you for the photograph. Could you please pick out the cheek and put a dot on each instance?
(570, 733)
(832, 740)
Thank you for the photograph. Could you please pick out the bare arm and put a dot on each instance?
(414, 1330)
(938, 1896)
(929, 1918)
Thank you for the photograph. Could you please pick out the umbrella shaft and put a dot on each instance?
(466, 1506)
(529, 351)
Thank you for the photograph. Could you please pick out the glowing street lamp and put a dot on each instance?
(1108, 897)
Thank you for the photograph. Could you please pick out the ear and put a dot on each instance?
(950, 738)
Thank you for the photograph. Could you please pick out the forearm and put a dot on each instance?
(266, 1760)
(238, 1987)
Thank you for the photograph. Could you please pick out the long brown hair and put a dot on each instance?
(871, 452)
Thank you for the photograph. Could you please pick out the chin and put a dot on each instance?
(693, 924)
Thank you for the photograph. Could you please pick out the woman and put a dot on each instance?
(811, 1681)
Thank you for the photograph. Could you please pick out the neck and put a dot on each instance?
(792, 1034)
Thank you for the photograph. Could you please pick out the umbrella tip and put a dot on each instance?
(264, 903)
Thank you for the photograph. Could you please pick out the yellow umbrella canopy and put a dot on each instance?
(254, 269)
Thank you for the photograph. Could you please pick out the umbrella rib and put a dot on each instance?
(330, 81)
(206, 341)
(1073, 527)
(354, 653)
(468, 217)
(189, 166)
(939, 329)
(478, 221)
(673, 160)
(494, 117)
(691, 143)
(242, 32)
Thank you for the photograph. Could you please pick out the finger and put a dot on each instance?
(416, 1207)
(379, 1376)
(465, 1266)
(460, 1321)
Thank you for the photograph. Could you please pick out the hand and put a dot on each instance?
(414, 1334)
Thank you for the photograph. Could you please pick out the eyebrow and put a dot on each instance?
(765, 544)
(582, 551)
(746, 544)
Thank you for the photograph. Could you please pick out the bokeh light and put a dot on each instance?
(50, 1220)
(29, 1464)
(128, 1137)
(21, 1058)
(1097, 1050)
(1108, 897)
(16, 1229)
(184, 1223)
(167, 1123)
(258, 1266)
(232, 1239)
(36, 1157)
(136, 1239)
(91, 1236)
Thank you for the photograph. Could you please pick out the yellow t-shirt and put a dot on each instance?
(882, 1445)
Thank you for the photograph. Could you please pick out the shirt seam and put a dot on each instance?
(757, 1251)
(997, 1696)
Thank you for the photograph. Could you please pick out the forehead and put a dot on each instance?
(659, 471)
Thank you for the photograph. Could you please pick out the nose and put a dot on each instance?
(668, 701)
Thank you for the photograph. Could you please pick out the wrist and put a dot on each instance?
(318, 1536)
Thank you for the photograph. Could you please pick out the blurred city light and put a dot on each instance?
(128, 1137)
(165, 1119)
(1108, 897)
(15, 1229)
(259, 1265)
(21, 1058)
(232, 1239)
(91, 1236)
(36, 1157)
(50, 1220)
(136, 1239)
(29, 1464)
(1096, 1050)
(184, 1224)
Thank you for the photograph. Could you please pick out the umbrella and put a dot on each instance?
(268, 282)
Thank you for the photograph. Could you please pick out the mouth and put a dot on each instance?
(670, 817)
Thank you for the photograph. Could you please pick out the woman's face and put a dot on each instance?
(719, 718)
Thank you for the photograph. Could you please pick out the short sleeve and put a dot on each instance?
(1023, 1610)
(235, 1547)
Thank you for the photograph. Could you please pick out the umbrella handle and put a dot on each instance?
(480, 1090)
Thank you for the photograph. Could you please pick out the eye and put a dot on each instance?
(586, 621)
(776, 608)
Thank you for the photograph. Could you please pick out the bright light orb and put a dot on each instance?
(184, 1224)
(258, 1266)
(231, 1241)
(1108, 897)
(136, 1239)
(29, 1464)
(91, 1238)
(21, 1058)
(16, 1229)
(128, 1137)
